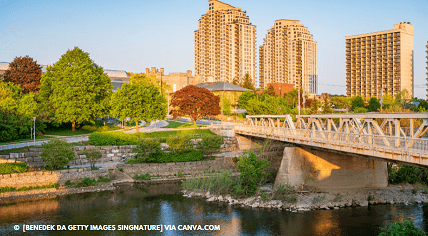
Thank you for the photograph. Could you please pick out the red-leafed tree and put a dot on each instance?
(25, 72)
(195, 102)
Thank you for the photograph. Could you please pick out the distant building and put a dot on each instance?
(175, 80)
(380, 61)
(225, 44)
(117, 77)
(289, 55)
(3, 68)
(281, 88)
(427, 70)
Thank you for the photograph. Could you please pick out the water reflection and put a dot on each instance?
(162, 204)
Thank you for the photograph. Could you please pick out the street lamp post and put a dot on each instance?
(34, 118)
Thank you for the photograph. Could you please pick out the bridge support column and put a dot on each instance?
(315, 169)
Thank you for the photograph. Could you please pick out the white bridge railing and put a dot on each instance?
(405, 149)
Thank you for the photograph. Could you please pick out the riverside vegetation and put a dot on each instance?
(180, 149)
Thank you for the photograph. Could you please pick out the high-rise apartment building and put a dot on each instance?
(289, 55)
(225, 44)
(380, 61)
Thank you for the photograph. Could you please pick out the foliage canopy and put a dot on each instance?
(25, 72)
(195, 102)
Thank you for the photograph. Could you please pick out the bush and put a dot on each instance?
(253, 172)
(163, 157)
(56, 154)
(180, 143)
(119, 138)
(24, 188)
(210, 144)
(9, 168)
(405, 227)
(92, 155)
(13, 126)
(407, 174)
(147, 146)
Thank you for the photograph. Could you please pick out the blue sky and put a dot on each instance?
(134, 35)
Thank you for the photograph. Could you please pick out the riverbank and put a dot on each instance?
(335, 199)
(38, 194)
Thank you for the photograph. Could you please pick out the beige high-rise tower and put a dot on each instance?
(225, 44)
(380, 61)
(289, 55)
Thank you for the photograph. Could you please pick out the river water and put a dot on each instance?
(163, 205)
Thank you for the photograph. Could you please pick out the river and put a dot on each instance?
(164, 205)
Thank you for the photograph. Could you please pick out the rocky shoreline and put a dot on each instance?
(335, 199)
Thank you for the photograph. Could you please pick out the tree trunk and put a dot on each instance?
(136, 125)
(194, 124)
(73, 126)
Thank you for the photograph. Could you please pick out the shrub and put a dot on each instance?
(210, 144)
(9, 168)
(14, 126)
(93, 155)
(253, 172)
(147, 146)
(142, 176)
(407, 174)
(24, 188)
(405, 227)
(119, 138)
(56, 154)
(163, 157)
(180, 142)
(221, 183)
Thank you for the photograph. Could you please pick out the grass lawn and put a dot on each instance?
(27, 149)
(86, 129)
(175, 124)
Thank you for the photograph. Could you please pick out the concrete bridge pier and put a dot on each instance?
(316, 169)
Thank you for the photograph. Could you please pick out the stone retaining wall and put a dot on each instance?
(38, 178)
(165, 169)
(109, 153)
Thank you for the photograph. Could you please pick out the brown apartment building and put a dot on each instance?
(380, 61)
(225, 44)
(289, 55)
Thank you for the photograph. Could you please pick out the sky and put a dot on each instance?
(134, 35)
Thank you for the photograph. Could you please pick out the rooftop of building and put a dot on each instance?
(222, 86)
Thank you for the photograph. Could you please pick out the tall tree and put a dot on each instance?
(374, 104)
(248, 84)
(244, 98)
(195, 102)
(357, 102)
(76, 88)
(25, 72)
(271, 90)
(138, 100)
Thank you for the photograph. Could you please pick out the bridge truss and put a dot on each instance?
(395, 137)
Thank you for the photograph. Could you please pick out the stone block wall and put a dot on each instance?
(165, 169)
(33, 159)
(39, 178)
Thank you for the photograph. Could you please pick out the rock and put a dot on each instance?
(391, 202)
(207, 194)
(210, 199)
(364, 203)
(336, 208)
(220, 198)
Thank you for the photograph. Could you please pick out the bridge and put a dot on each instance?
(393, 137)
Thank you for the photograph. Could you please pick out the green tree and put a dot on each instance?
(25, 72)
(248, 83)
(374, 104)
(138, 100)
(76, 88)
(315, 105)
(327, 106)
(14, 126)
(357, 102)
(56, 154)
(195, 102)
(227, 107)
(252, 172)
(271, 90)
(244, 98)
(93, 155)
